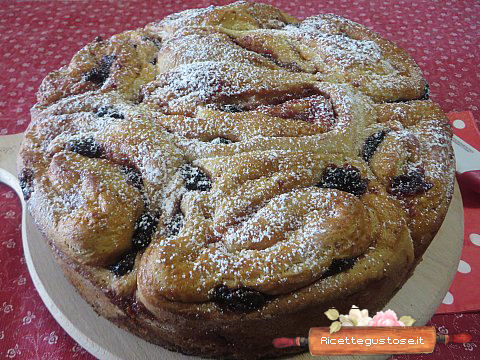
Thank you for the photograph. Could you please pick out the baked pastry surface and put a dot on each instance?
(224, 176)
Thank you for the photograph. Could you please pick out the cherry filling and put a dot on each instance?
(232, 108)
(175, 225)
(346, 178)
(426, 93)
(109, 111)
(85, 147)
(409, 184)
(195, 179)
(339, 265)
(242, 299)
(371, 144)
(26, 182)
(221, 140)
(124, 265)
(134, 177)
(101, 72)
(145, 227)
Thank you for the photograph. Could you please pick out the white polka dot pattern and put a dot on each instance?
(448, 299)
(459, 124)
(475, 239)
(464, 267)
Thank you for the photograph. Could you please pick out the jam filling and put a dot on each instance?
(221, 140)
(26, 182)
(145, 227)
(231, 108)
(409, 184)
(242, 299)
(195, 179)
(371, 144)
(109, 111)
(101, 72)
(134, 177)
(426, 94)
(346, 178)
(175, 225)
(339, 265)
(124, 265)
(85, 147)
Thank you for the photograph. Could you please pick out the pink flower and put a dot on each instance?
(387, 318)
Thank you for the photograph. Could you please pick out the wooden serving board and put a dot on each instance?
(419, 297)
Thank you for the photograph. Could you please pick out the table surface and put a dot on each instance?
(40, 36)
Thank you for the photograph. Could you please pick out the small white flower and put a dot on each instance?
(6, 308)
(28, 318)
(10, 214)
(21, 280)
(9, 194)
(355, 317)
(11, 353)
(355, 314)
(51, 338)
(364, 321)
(10, 243)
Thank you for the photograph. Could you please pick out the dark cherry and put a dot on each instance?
(85, 147)
(346, 178)
(409, 184)
(154, 61)
(195, 179)
(371, 144)
(26, 182)
(145, 227)
(102, 111)
(134, 177)
(242, 299)
(221, 140)
(339, 265)
(426, 93)
(109, 111)
(175, 225)
(101, 72)
(232, 108)
(124, 265)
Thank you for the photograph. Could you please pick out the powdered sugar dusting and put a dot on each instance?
(230, 137)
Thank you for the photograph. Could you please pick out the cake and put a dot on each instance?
(224, 176)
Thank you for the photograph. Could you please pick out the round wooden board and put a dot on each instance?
(419, 297)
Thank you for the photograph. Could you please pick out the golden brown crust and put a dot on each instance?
(236, 150)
